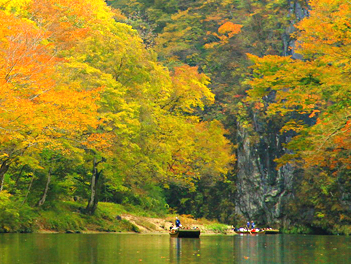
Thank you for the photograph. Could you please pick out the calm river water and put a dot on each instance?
(130, 248)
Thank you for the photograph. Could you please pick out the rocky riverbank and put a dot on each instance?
(162, 225)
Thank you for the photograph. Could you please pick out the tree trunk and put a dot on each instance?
(3, 169)
(29, 188)
(42, 200)
(93, 200)
(19, 175)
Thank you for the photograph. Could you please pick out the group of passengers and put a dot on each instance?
(250, 226)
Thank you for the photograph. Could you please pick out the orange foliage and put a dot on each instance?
(57, 17)
(35, 110)
(229, 28)
(68, 21)
(225, 32)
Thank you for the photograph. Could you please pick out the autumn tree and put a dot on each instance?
(137, 100)
(37, 111)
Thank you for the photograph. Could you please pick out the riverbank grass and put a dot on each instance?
(68, 216)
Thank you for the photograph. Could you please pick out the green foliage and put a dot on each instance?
(112, 209)
(218, 228)
(61, 221)
(341, 229)
(125, 225)
(14, 216)
(67, 216)
(299, 229)
(204, 202)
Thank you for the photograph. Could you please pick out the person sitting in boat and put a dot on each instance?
(248, 225)
(252, 225)
(177, 223)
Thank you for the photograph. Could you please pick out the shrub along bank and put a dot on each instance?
(68, 216)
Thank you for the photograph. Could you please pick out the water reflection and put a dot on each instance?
(184, 249)
(259, 249)
(292, 249)
(154, 249)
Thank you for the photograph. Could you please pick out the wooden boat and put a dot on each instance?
(260, 231)
(271, 231)
(190, 233)
(250, 232)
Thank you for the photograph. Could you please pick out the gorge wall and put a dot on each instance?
(263, 191)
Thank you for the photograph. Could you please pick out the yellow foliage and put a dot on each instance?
(13, 5)
(190, 89)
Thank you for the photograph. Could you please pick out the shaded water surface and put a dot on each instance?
(130, 248)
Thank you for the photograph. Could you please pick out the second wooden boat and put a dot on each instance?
(250, 232)
(271, 231)
(260, 231)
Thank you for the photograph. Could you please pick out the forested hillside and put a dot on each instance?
(279, 71)
(87, 113)
(232, 110)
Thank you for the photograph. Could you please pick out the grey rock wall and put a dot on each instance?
(262, 191)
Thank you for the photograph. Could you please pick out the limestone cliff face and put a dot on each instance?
(263, 191)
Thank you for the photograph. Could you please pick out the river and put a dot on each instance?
(146, 248)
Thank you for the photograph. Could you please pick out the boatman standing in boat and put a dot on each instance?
(177, 223)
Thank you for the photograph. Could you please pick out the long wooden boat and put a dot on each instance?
(190, 233)
(271, 231)
(250, 232)
(261, 231)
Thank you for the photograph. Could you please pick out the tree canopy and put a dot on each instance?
(83, 100)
